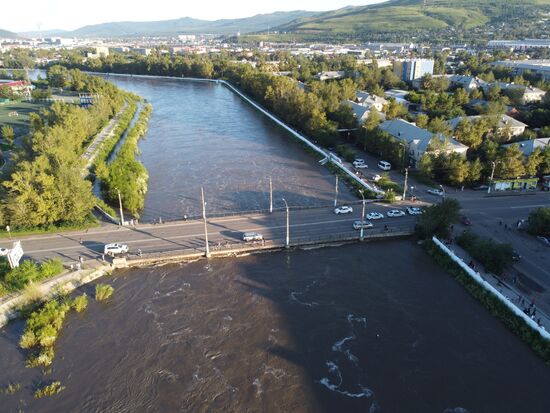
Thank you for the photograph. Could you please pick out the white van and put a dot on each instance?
(384, 165)
(252, 236)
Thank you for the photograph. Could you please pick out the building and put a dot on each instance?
(142, 51)
(540, 67)
(502, 122)
(399, 95)
(519, 44)
(333, 75)
(409, 70)
(529, 146)
(526, 94)
(369, 101)
(361, 112)
(20, 87)
(418, 140)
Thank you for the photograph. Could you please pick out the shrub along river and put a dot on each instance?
(375, 327)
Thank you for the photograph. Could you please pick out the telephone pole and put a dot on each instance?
(336, 192)
(287, 240)
(405, 186)
(120, 206)
(492, 176)
(270, 196)
(207, 250)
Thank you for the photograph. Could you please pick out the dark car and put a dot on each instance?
(515, 256)
(466, 221)
(481, 188)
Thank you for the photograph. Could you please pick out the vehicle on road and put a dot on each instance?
(359, 160)
(515, 256)
(544, 240)
(376, 178)
(4, 251)
(115, 248)
(374, 215)
(396, 213)
(344, 209)
(435, 191)
(466, 221)
(414, 211)
(546, 183)
(384, 165)
(362, 224)
(252, 236)
(360, 165)
(481, 188)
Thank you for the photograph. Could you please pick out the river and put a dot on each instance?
(202, 134)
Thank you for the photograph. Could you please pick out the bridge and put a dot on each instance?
(180, 239)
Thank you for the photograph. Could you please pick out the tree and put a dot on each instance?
(58, 76)
(440, 125)
(8, 134)
(438, 218)
(422, 120)
(538, 222)
(395, 110)
(533, 162)
(510, 163)
(426, 166)
(475, 170)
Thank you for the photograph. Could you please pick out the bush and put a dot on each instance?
(28, 272)
(347, 153)
(437, 219)
(103, 291)
(495, 257)
(80, 303)
(11, 388)
(51, 268)
(538, 222)
(49, 390)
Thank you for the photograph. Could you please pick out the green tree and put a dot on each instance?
(422, 120)
(8, 134)
(510, 163)
(533, 162)
(440, 125)
(538, 222)
(475, 170)
(438, 218)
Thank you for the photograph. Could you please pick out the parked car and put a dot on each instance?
(436, 191)
(362, 224)
(376, 178)
(515, 256)
(115, 248)
(414, 211)
(384, 165)
(252, 236)
(360, 165)
(466, 221)
(4, 251)
(359, 160)
(344, 209)
(544, 240)
(395, 213)
(375, 215)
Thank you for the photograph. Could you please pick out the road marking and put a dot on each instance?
(528, 206)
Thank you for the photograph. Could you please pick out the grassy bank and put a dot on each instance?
(19, 278)
(90, 222)
(512, 321)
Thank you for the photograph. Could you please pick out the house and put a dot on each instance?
(527, 94)
(20, 87)
(418, 140)
(529, 146)
(399, 96)
(468, 83)
(369, 101)
(361, 112)
(333, 75)
(502, 122)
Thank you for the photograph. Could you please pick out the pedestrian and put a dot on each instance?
(462, 188)
(80, 259)
(185, 217)
(139, 252)
(535, 311)
(538, 321)
(78, 266)
(505, 226)
(500, 222)
(102, 257)
(80, 240)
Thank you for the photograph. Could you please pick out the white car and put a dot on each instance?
(376, 178)
(396, 213)
(362, 224)
(4, 251)
(252, 236)
(344, 209)
(384, 165)
(115, 248)
(414, 211)
(360, 165)
(375, 215)
(436, 191)
(359, 160)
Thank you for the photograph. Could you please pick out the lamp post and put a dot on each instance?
(362, 216)
(405, 186)
(443, 196)
(270, 196)
(9, 230)
(120, 206)
(336, 192)
(492, 176)
(207, 249)
(287, 241)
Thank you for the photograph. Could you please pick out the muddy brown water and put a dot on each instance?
(344, 329)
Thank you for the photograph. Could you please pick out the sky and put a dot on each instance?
(72, 14)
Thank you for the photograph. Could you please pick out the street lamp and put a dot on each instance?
(270, 195)
(120, 206)
(207, 249)
(362, 216)
(287, 241)
(443, 189)
(492, 176)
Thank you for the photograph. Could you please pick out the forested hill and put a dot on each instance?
(4, 34)
(411, 16)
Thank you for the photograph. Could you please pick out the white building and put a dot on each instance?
(503, 122)
(369, 101)
(540, 67)
(529, 146)
(333, 75)
(418, 140)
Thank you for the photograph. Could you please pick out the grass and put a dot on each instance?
(26, 275)
(21, 123)
(80, 303)
(11, 388)
(103, 291)
(91, 222)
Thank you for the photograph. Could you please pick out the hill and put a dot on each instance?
(400, 16)
(188, 25)
(4, 34)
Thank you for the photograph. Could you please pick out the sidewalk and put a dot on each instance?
(508, 287)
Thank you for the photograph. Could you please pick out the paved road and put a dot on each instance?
(306, 223)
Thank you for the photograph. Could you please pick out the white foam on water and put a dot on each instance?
(338, 345)
(293, 298)
(256, 383)
(325, 381)
(456, 410)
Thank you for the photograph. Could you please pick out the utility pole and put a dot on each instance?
(207, 250)
(287, 241)
(405, 186)
(492, 176)
(270, 196)
(120, 206)
(336, 192)
(362, 216)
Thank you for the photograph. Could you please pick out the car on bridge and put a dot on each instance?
(396, 213)
(360, 164)
(362, 224)
(344, 209)
(414, 211)
(375, 215)
(115, 248)
(252, 236)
